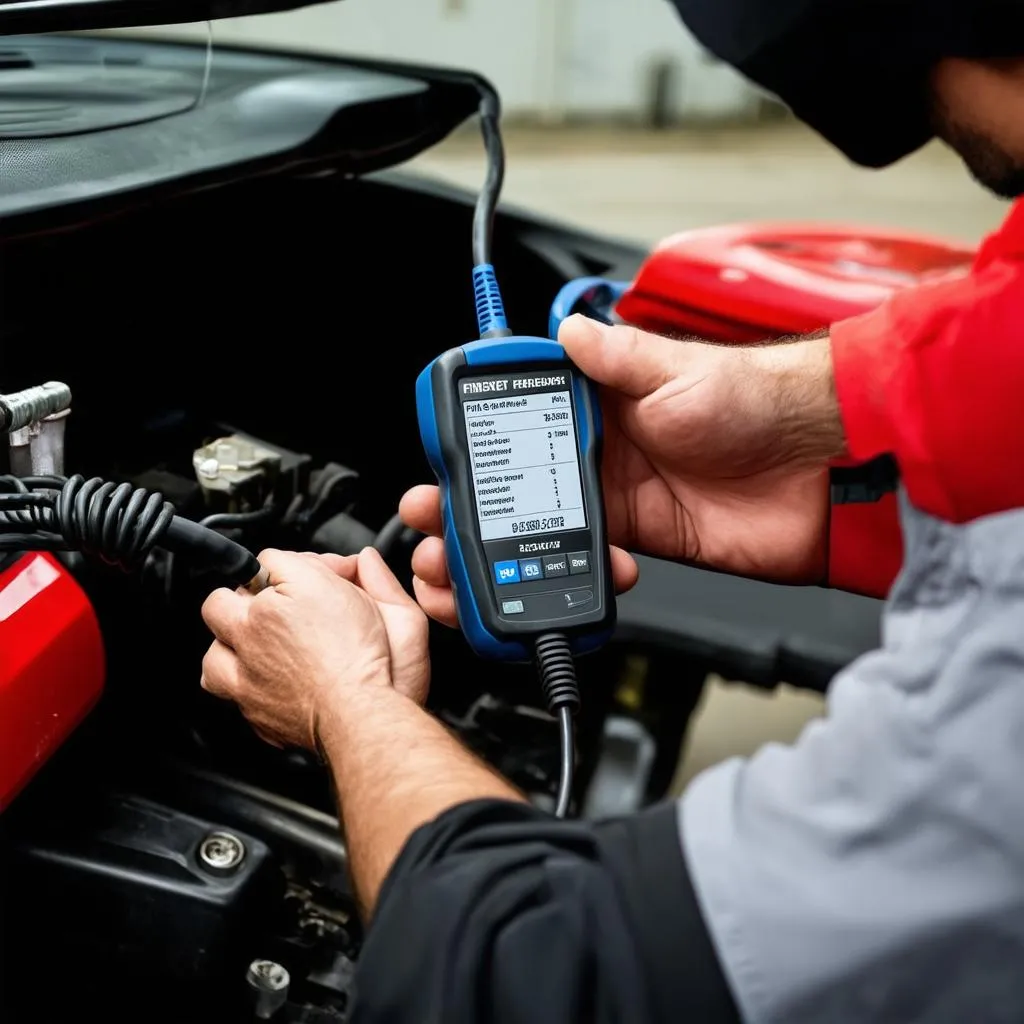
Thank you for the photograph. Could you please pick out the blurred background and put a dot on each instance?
(618, 121)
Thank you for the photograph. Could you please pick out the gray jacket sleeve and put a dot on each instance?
(874, 871)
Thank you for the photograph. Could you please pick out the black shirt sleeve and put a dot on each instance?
(497, 913)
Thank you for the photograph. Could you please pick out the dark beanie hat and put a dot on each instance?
(855, 70)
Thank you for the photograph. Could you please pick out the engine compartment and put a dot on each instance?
(266, 309)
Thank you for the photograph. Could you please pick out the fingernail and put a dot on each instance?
(582, 328)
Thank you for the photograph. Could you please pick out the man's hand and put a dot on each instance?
(713, 454)
(326, 624)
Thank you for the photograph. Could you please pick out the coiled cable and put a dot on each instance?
(557, 670)
(119, 523)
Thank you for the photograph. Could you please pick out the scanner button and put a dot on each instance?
(579, 562)
(506, 572)
(529, 569)
(512, 607)
(555, 565)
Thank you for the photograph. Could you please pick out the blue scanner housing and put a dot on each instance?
(518, 574)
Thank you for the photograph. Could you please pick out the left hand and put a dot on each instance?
(326, 624)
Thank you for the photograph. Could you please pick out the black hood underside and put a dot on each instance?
(89, 125)
(25, 16)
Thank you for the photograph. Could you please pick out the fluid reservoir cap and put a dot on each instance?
(236, 465)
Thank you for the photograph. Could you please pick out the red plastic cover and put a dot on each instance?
(52, 666)
(751, 282)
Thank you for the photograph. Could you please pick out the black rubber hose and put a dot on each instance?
(393, 535)
(238, 520)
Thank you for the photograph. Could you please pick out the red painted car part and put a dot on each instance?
(52, 666)
(752, 282)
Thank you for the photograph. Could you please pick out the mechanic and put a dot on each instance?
(874, 871)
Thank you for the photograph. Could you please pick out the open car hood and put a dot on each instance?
(91, 124)
(23, 16)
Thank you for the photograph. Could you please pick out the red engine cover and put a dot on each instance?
(751, 282)
(51, 666)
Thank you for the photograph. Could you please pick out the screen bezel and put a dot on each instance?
(459, 496)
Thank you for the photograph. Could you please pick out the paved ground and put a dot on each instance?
(644, 186)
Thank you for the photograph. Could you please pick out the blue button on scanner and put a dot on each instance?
(506, 572)
(530, 569)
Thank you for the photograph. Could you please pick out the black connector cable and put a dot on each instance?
(553, 652)
(557, 670)
(487, 200)
(119, 523)
(239, 520)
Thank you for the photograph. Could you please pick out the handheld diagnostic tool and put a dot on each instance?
(512, 431)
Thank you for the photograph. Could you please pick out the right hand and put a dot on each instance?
(715, 455)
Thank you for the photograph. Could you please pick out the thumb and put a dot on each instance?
(620, 357)
(379, 581)
(345, 566)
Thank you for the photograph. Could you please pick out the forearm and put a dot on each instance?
(865, 547)
(395, 768)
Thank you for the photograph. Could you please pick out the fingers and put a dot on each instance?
(267, 737)
(379, 581)
(625, 571)
(429, 562)
(345, 566)
(620, 357)
(225, 612)
(437, 602)
(420, 508)
(221, 673)
(283, 566)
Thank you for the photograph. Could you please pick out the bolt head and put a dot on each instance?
(221, 853)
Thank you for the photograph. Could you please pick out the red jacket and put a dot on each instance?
(934, 377)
